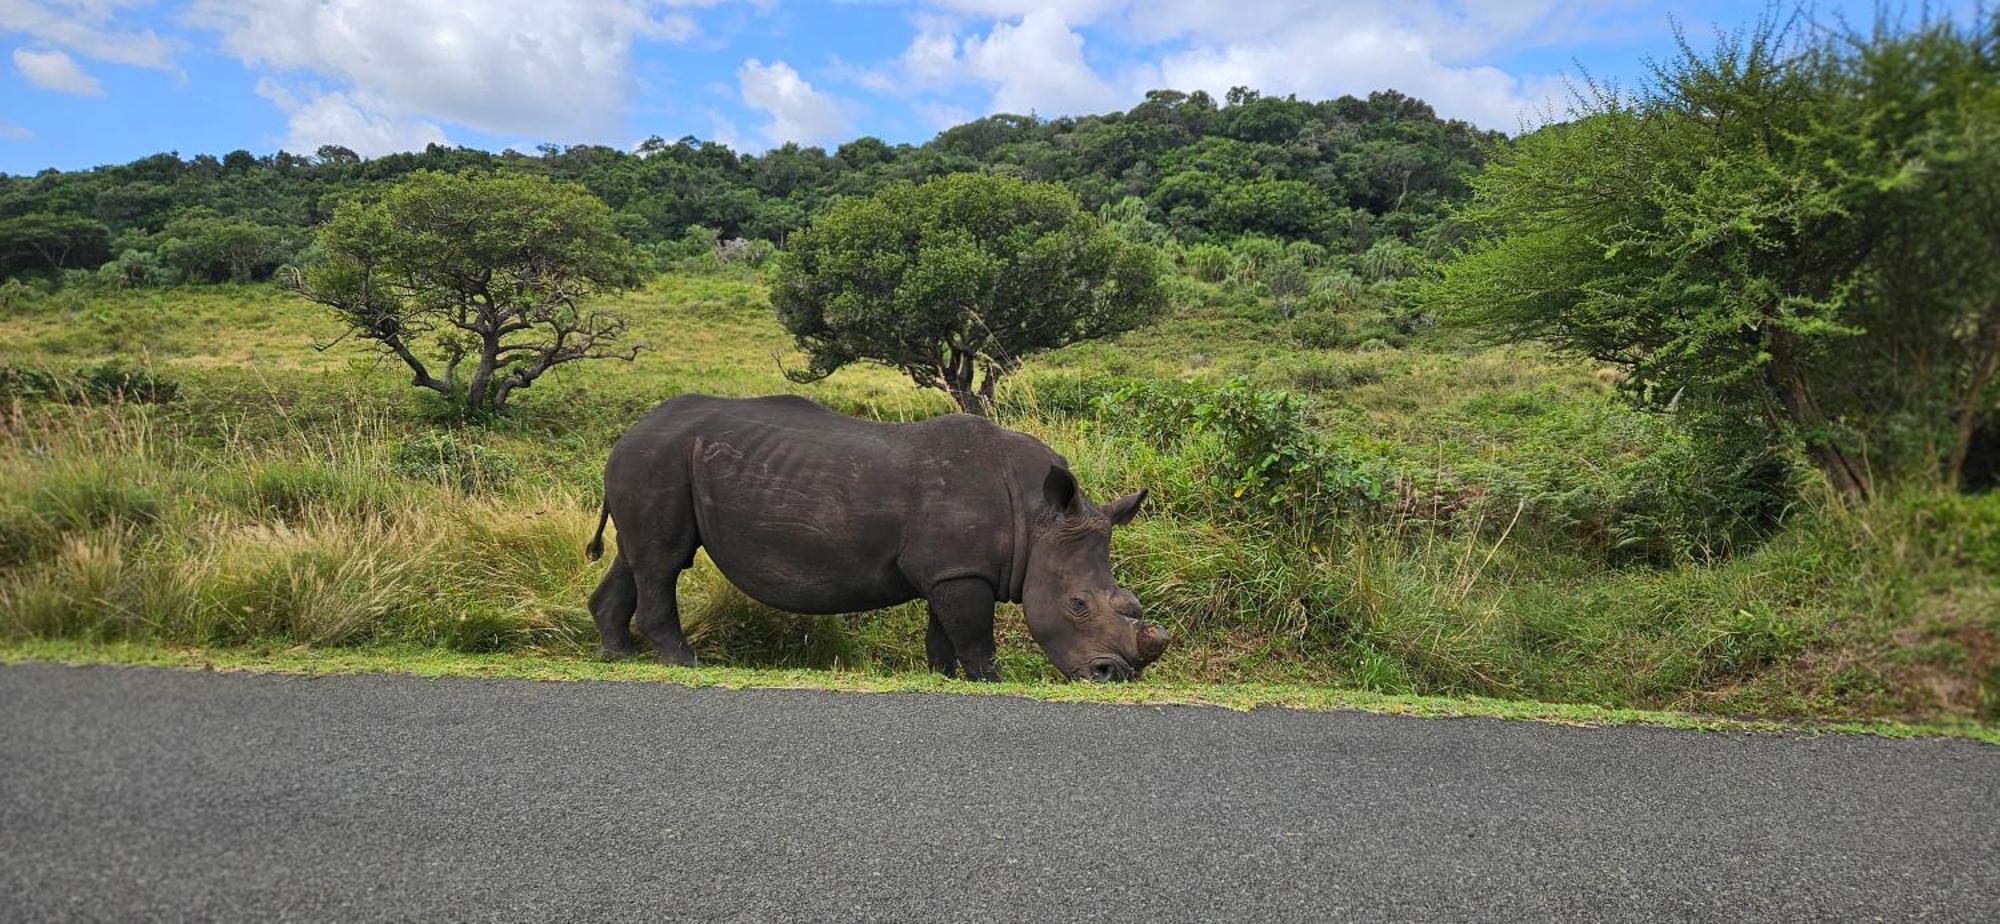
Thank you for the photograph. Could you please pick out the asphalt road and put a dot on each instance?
(135, 794)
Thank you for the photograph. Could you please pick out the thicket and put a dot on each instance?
(1793, 236)
(1342, 173)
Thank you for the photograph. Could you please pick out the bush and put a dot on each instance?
(1333, 373)
(1054, 395)
(1266, 457)
(447, 459)
(1210, 262)
(747, 251)
(1318, 329)
(1342, 292)
(1389, 259)
(14, 293)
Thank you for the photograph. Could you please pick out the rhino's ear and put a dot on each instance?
(1122, 510)
(1059, 491)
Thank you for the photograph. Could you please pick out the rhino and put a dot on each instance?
(812, 511)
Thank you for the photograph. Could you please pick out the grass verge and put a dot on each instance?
(436, 663)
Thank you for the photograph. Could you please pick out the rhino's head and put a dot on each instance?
(1090, 627)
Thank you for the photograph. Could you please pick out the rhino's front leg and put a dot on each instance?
(937, 646)
(963, 609)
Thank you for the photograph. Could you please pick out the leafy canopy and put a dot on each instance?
(1739, 235)
(959, 274)
(477, 282)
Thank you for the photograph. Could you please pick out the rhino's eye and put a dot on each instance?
(1078, 606)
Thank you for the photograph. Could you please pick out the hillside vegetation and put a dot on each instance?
(1409, 427)
(1513, 529)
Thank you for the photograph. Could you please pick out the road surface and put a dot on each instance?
(142, 794)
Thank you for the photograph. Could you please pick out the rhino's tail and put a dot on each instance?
(596, 547)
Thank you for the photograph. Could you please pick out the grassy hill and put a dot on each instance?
(1513, 529)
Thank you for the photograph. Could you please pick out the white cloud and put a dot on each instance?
(1367, 60)
(1032, 55)
(1425, 49)
(798, 112)
(931, 57)
(365, 125)
(941, 116)
(1075, 11)
(54, 69)
(544, 68)
(1032, 63)
(87, 28)
(12, 132)
(1037, 65)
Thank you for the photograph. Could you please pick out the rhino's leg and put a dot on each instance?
(963, 607)
(937, 644)
(612, 605)
(658, 553)
(658, 615)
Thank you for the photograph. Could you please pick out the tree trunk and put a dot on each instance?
(476, 392)
(960, 365)
(1985, 367)
(1789, 382)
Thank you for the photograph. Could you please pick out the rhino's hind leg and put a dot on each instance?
(963, 608)
(937, 645)
(658, 546)
(611, 606)
(658, 613)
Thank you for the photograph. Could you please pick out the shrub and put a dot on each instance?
(1210, 262)
(442, 457)
(1389, 259)
(1332, 373)
(1267, 458)
(747, 251)
(1318, 329)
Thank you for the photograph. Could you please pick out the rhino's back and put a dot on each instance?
(813, 511)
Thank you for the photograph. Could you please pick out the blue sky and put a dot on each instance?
(86, 82)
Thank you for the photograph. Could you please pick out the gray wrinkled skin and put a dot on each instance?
(811, 511)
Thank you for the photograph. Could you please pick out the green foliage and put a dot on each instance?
(267, 509)
(492, 268)
(1319, 329)
(202, 246)
(38, 514)
(50, 242)
(1209, 262)
(965, 272)
(1176, 165)
(1268, 456)
(109, 381)
(1794, 230)
(445, 458)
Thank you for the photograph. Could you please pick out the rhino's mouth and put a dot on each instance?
(1106, 669)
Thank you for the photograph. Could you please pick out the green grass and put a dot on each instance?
(1538, 543)
(427, 662)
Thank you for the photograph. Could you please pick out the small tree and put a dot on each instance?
(206, 247)
(40, 240)
(958, 279)
(495, 269)
(1793, 230)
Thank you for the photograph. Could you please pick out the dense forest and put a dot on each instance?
(1340, 173)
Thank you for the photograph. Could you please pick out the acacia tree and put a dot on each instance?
(478, 282)
(41, 240)
(956, 281)
(1795, 230)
